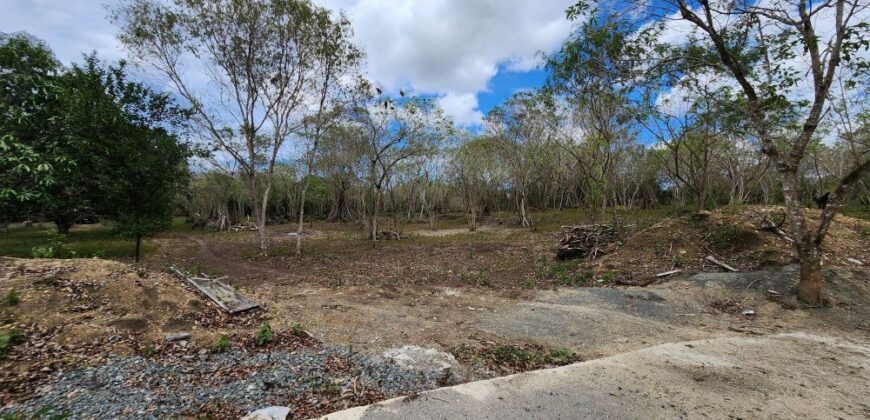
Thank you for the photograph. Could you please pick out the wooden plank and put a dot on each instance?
(220, 293)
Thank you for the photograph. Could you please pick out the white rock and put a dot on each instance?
(421, 359)
(268, 413)
(854, 261)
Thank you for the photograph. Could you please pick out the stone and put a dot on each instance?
(170, 337)
(268, 413)
(421, 359)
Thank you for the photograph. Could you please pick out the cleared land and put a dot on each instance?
(497, 300)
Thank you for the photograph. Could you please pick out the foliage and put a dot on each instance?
(298, 329)
(265, 334)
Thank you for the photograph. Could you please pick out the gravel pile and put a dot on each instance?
(226, 384)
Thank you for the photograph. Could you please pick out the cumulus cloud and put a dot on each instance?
(453, 48)
(462, 107)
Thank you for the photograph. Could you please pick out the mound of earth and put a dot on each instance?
(69, 312)
(736, 237)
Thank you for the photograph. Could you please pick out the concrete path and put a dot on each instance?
(791, 375)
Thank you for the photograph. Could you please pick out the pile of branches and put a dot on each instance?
(584, 240)
(387, 235)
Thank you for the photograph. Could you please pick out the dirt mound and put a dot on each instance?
(70, 312)
(736, 237)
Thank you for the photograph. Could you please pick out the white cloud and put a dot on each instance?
(453, 48)
(462, 108)
(447, 48)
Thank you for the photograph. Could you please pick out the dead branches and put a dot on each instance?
(584, 240)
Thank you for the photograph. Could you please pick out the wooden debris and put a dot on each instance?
(668, 273)
(769, 225)
(854, 261)
(223, 295)
(584, 240)
(713, 260)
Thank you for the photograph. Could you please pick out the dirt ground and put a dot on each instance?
(456, 291)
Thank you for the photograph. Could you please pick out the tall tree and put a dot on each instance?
(260, 58)
(781, 58)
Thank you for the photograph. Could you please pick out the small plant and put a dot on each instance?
(12, 298)
(149, 350)
(265, 335)
(298, 330)
(222, 345)
(607, 277)
(8, 339)
(723, 235)
(559, 356)
(42, 251)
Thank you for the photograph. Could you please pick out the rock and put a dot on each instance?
(176, 336)
(421, 359)
(854, 261)
(268, 413)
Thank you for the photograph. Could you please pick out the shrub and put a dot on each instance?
(298, 330)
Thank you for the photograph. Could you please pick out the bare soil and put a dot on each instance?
(496, 298)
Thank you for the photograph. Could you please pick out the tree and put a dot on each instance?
(260, 56)
(474, 167)
(146, 164)
(395, 130)
(336, 58)
(29, 135)
(781, 67)
(519, 128)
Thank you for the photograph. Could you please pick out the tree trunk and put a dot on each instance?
(138, 246)
(810, 284)
(63, 224)
(301, 219)
(375, 215)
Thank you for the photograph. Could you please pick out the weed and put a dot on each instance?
(42, 251)
(222, 345)
(8, 339)
(607, 278)
(328, 388)
(559, 356)
(12, 298)
(265, 335)
(723, 235)
(149, 350)
(298, 330)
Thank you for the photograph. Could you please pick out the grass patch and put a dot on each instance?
(507, 359)
(83, 241)
(12, 298)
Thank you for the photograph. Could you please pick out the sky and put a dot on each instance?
(470, 55)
